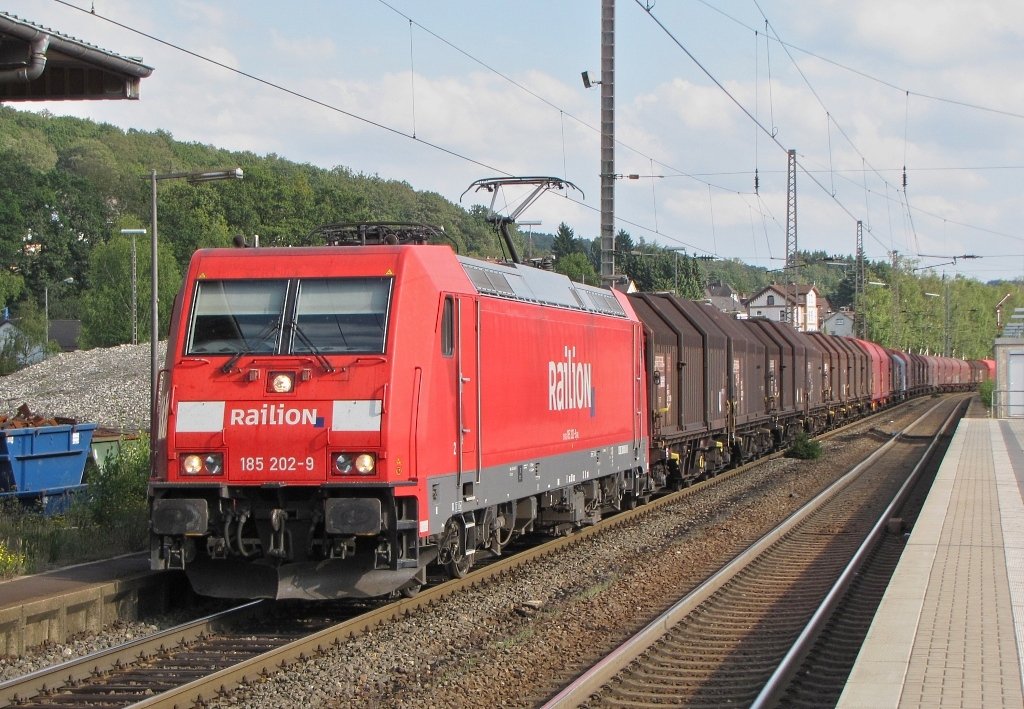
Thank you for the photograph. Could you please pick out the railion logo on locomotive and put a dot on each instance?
(275, 415)
(569, 383)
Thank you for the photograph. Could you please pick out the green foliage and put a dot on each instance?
(11, 286)
(109, 518)
(24, 343)
(805, 448)
(653, 268)
(985, 390)
(12, 562)
(67, 185)
(933, 313)
(623, 242)
(577, 267)
(106, 307)
(565, 242)
(116, 495)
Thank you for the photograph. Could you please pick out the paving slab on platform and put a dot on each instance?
(950, 628)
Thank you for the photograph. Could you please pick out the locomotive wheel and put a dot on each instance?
(459, 562)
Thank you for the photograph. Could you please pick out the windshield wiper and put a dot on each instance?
(271, 328)
(312, 348)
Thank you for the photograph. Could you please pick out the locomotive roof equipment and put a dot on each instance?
(495, 184)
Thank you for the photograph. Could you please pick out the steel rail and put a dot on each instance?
(783, 674)
(598, 675)
(83, 668)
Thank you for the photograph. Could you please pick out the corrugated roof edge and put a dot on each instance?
(78, 48)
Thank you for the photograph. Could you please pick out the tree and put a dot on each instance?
(691, 280)
(623, 242)
(190, 217)
(28, 340)
(106, 306)
(11, 286)
(565, 242)
(578, 268)
(843, 295)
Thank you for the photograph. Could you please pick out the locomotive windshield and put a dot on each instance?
(297, 316)
(341, 315)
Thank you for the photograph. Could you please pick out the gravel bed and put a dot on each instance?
(106, 386)
(122, 631)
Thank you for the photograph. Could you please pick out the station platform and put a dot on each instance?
(950, 629)
(53, 606)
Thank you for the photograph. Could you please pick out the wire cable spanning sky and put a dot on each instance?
(438, 95)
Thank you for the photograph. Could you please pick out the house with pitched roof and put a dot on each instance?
(794, 303)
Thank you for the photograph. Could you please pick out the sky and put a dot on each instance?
(707, 92)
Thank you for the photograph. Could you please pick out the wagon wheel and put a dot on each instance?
(458, 562)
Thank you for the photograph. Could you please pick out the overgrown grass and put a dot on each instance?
(804, 448)
(108, 519)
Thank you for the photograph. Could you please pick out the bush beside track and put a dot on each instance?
(107, 386)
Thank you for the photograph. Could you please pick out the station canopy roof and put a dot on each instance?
(41, 64)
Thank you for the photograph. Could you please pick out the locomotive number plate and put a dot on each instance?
(277, 464)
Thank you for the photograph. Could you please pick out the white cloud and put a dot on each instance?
(358, 58)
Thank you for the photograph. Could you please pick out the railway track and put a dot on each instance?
(176, 658)
(742, 636)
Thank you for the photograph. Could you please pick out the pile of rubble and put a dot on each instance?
(108, 386)
(24, 418)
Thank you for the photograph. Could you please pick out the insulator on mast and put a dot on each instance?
(757, 181)
(904, 178)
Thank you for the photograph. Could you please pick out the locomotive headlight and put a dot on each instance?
(365, 464)
(191, 465)
(354, 464)
(214, 463)
(281, 382)
(202, 464)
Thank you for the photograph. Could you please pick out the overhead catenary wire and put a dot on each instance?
(735, 101)
(831, 120)
(292, 92)
(412, 79)
(871, 77)
(465, 157)
(412, 136)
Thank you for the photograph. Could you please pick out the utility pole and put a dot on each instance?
(947, 345)
(791, 248)
(135, 283)
(676, 250)
(896, 301)
(607, 143)
(858, 288)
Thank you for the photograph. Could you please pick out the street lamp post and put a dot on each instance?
(946, 348)
(676, 250)
(46, 307)
(135, 284)
(191, 178)
(862, 331)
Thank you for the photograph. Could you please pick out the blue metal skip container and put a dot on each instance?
(43, 461)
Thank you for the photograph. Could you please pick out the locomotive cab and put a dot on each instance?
(280, 472)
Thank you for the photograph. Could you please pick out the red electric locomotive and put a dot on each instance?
(333, 419)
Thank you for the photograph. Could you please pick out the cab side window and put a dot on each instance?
(448, 327)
